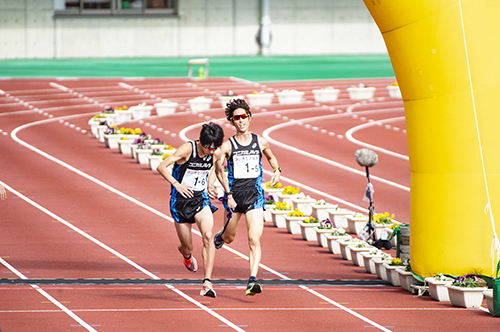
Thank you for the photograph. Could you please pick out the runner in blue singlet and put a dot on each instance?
(190, 201)
(244, 193)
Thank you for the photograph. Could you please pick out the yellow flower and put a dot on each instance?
(276, 186)
(137, 131)
(125, 107)
(289, 190)
(296, 213)
(311, 219)
(283, 206)
(166, 155)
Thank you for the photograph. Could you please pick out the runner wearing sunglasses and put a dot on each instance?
(244, 192)
(190, 197)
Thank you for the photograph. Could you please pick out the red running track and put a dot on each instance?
(78, 210)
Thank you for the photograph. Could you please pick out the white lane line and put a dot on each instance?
(49, 297)
(267, 132)
(351, 131)
(114, 252)
(14, 137)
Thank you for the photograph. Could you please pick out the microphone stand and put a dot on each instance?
(371, 212)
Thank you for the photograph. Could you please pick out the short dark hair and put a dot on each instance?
(234, 105)
(211, 133)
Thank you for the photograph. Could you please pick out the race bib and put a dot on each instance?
(246, 167)
(197, 179)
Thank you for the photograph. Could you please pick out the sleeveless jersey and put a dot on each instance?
(245, 165)
(194, 172)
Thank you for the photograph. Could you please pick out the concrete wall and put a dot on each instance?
(28, 29)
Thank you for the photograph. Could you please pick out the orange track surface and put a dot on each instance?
(78, 210)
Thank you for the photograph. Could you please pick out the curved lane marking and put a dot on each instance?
(46, 155)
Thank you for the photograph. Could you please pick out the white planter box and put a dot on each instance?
(290, 97)
(361, 93)
(406, 279)
(333, 245)
(143, 156)
(165, 108)
(466, 297)
(307, 230)
(292, 224)
(199, 104)
(272, 191)
(339, 217)
(392, 274)
(356, 224)
(141, 112)
(320, 212)
(380, 229)
(437, 288)
(394, 92)
(284, 198)
(226, 99)
(111, 140)
(279, 218)
(368, 263)
(345, 251)
(123, 116)
(260, 99)
(320, 236)
(267, 213)
(488, 295)
(154, 161)
(326, 95)
(357, 259)
(303, 204)
(124, 146)
(380, 268)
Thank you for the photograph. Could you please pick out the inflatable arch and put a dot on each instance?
(445, 54)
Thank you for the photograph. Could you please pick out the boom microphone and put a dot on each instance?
(366, 157)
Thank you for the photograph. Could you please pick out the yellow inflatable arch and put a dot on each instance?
(445, 54)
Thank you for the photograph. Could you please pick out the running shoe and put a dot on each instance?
(207, 290)
(218, 241)
(191, 264)
(253, 288)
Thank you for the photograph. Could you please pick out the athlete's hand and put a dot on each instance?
(231, 203)
(275, 178)
(185, 190)
(212, 191)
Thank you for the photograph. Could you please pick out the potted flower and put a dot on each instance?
(357, 250)
(324, 227)
(287, 97)
(367, 259)
(155, 158)
(141, 111)
(394, 91)
(128, 138)
(287, 193)
(327, 94)
(406, 278)
(270, 204)
(261, 98)
(226, 96)
(111, 136)
(199, 104)
(292, 221)
(380, 267)
(144, 149)
(356, 222)
(338, 216)
(345, 251)
(320, 209)
(279, 212)
(392, 274)
(331, 238)
(303, 203)
(123, 114)
(307, 228)
(361, 92)
(165, 107)
(466, 292)
(382, 221)
(272, 190)
(437, 287)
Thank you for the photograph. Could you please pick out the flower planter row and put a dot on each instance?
(359, 252)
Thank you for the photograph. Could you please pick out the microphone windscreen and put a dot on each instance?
(366, 157)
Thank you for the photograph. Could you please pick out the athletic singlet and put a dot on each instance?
(245, 165)
(194, 172)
